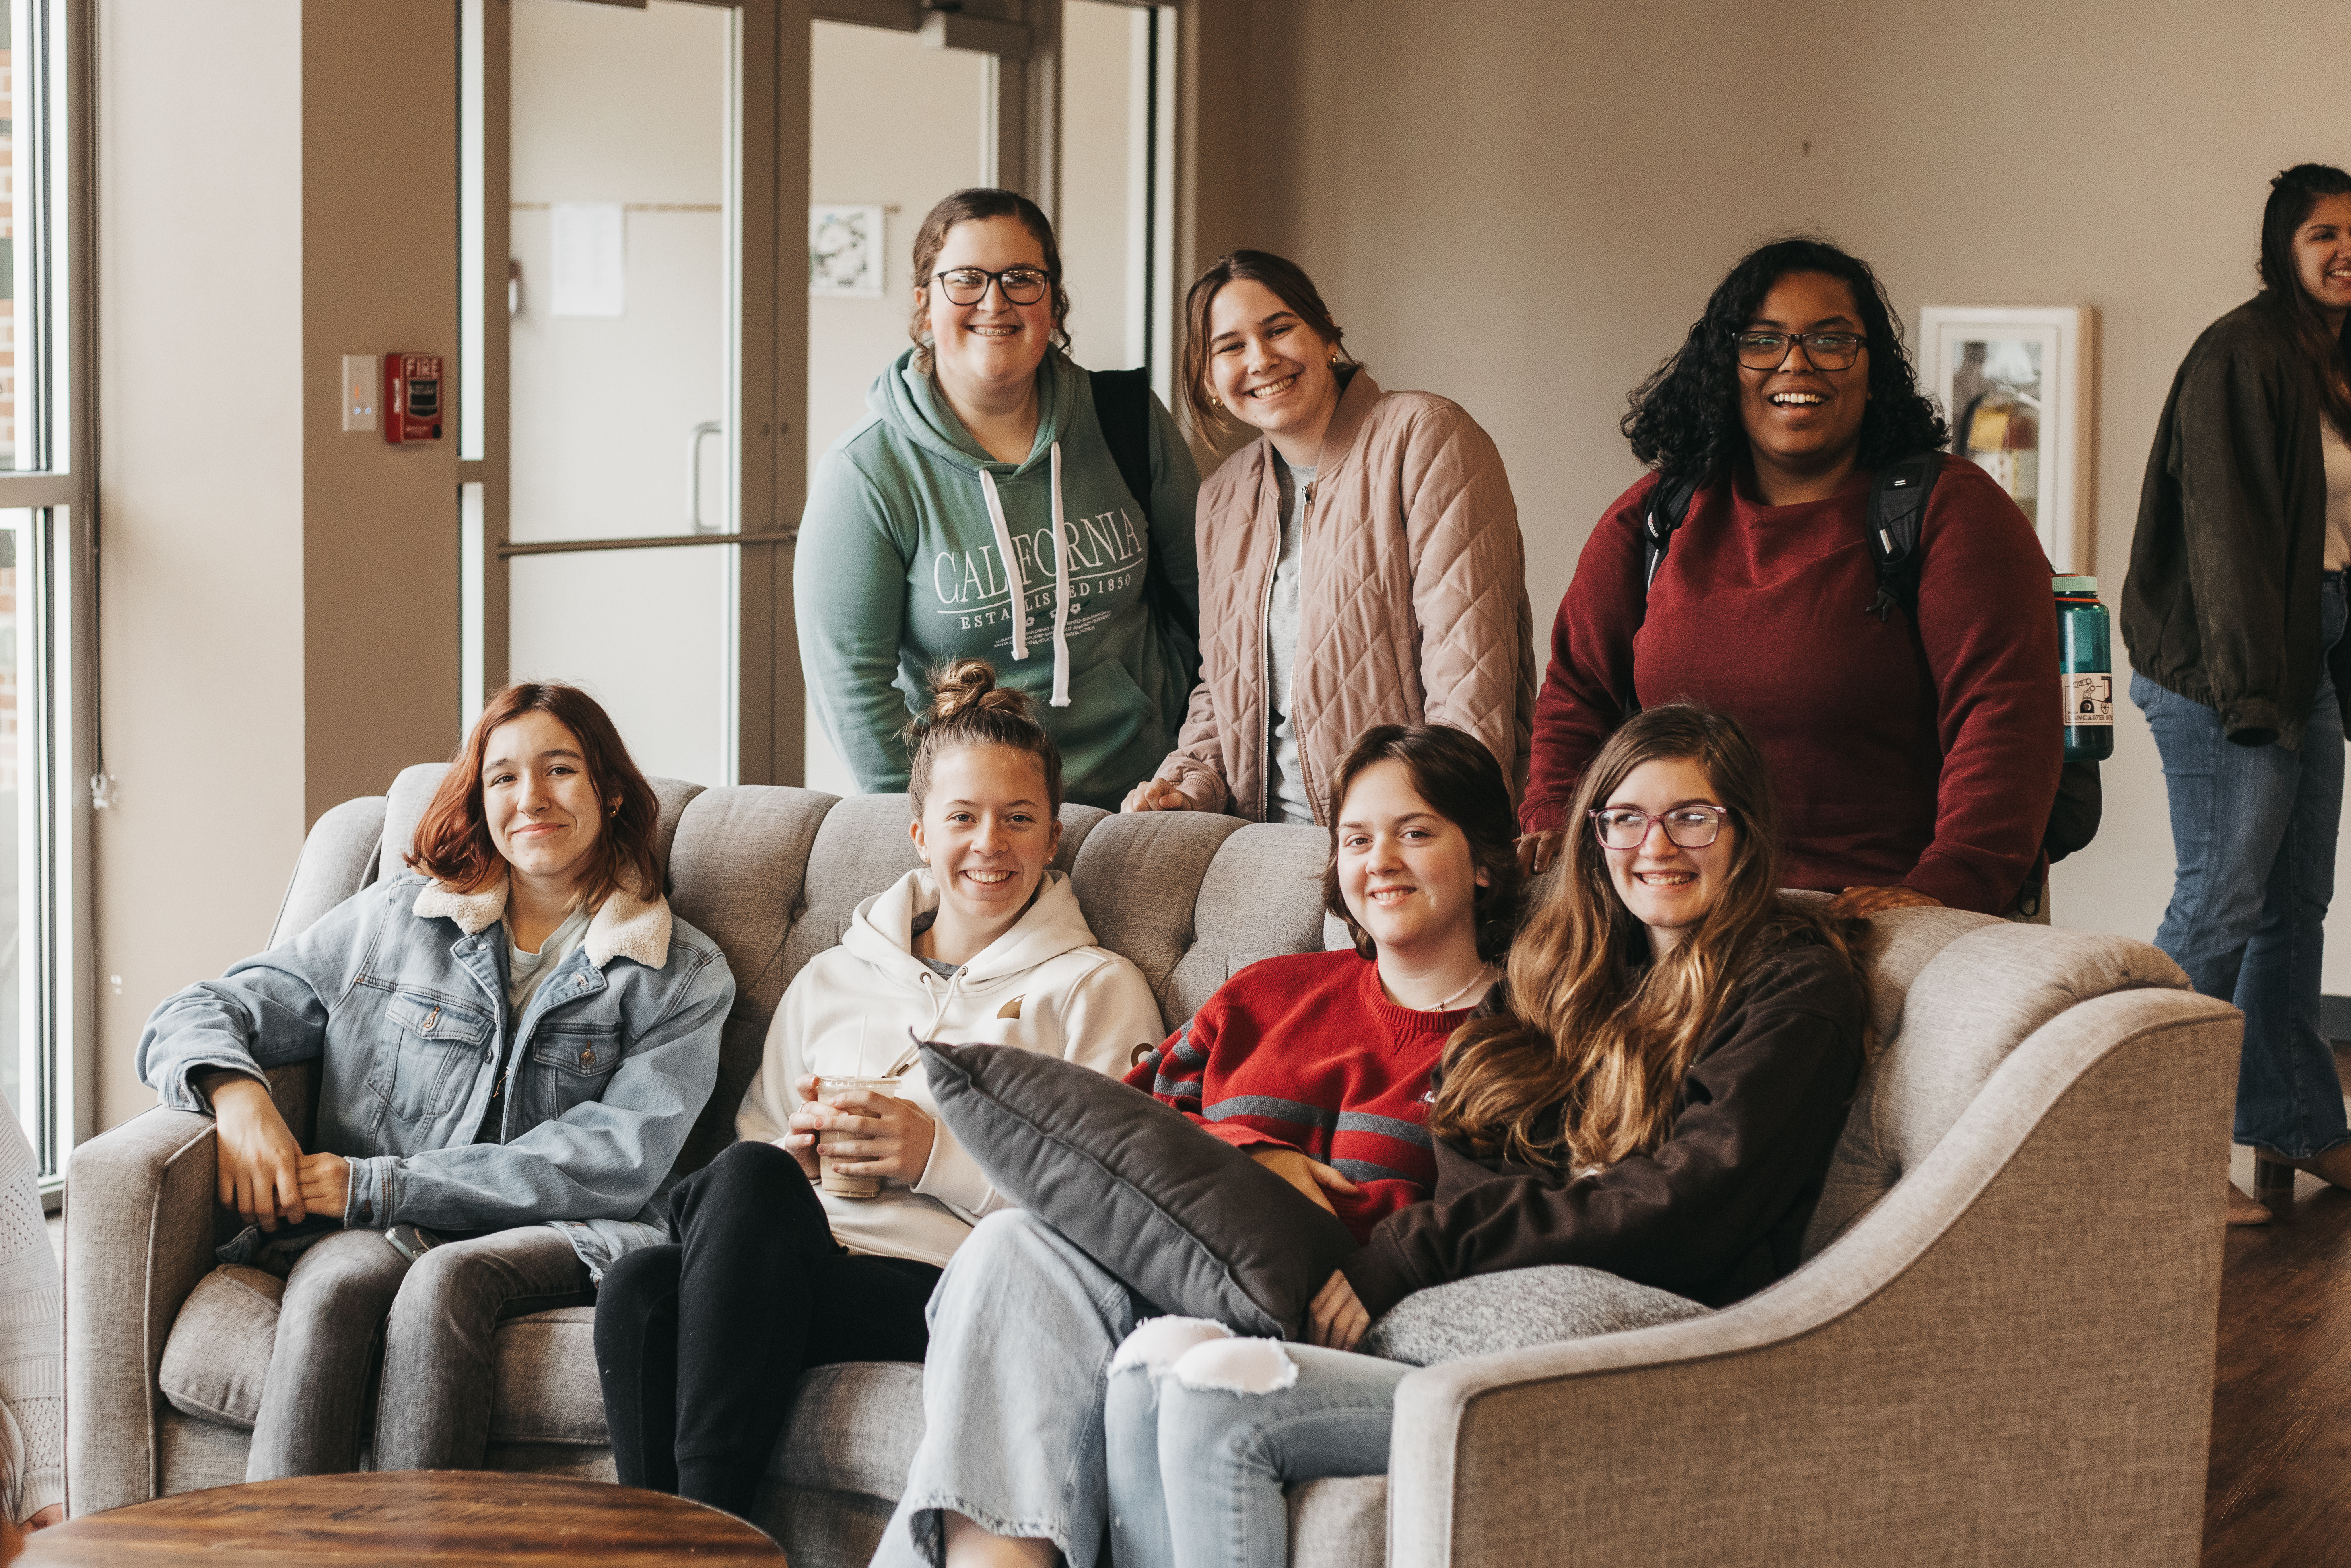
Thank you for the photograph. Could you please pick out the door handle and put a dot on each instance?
(694, 476)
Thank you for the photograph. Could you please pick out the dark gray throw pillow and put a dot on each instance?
(1189, 1222)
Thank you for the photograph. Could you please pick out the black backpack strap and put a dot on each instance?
(1123, 408)
(1668, 504)
(1898, 512)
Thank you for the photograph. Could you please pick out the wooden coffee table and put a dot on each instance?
(407, 1517)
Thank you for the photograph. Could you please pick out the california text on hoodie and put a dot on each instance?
(858, 1007)
(914, 543)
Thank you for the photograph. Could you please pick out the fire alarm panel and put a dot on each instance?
(412, 398)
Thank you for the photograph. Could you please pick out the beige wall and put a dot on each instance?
(379, 138)
(1523, 205)
(201, 496)
(279, 620)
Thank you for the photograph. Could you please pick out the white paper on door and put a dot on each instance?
(588, 261)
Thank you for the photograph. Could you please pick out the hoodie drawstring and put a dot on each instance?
(1021, 585)
(1011, 565)
(1060, 591)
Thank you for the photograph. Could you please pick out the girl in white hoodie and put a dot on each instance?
(700, 1343)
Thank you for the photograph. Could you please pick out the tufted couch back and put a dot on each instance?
(771, 874)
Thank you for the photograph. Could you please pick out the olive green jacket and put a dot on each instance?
(2222, 603)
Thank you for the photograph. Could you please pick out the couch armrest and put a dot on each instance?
(139, 1235)
(2013, 1350)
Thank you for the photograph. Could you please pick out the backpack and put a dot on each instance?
(1123, 408)
(1897, 514)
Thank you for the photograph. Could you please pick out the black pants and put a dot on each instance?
(701, 1343)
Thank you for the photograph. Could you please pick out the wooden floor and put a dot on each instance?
(2279, 1492)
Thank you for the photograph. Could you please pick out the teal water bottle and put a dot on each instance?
(2085, 671)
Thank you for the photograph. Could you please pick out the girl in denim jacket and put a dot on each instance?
(513, 1041)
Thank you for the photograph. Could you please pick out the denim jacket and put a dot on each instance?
(400, 994)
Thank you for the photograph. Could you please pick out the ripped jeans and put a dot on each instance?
(1203, 1430)
(1017, 1385)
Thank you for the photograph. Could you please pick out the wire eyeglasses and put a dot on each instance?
(1691, 826)
(1826, 351)
(1021, 284)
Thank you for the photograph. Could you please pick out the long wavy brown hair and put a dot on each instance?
(452, 838)
(1585, 1066)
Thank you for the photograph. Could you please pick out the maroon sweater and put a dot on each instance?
(1307, 1052)
(1926, 756)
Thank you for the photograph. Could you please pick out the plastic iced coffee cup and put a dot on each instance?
(828, 1088)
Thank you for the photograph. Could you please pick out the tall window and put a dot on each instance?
(47, 782)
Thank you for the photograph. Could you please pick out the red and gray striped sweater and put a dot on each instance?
(1308, 1052)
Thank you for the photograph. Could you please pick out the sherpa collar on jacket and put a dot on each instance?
(625, 926)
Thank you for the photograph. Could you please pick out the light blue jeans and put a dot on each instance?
(1203, 1438)
(1022, 1328)
(2254, 829)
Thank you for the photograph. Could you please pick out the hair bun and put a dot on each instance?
(969, 683)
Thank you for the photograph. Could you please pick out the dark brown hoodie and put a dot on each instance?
(1716, 1212)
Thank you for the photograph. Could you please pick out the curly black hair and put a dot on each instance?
(1684, 420)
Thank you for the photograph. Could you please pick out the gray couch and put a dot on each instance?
(2002, 1352)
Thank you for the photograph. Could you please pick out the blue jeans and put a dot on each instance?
(1203, 1436)
(2252, 829)
(1022, 1328)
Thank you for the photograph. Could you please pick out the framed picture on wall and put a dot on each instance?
(2019, 385)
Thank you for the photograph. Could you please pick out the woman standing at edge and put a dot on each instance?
(1917, 762)
(1362, 560)
(931, 527)
(2233, 613)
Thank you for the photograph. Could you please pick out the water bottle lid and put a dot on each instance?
(2075, 585)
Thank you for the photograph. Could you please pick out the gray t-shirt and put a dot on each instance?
(1286, 795)
(525, 971)
(924, 920)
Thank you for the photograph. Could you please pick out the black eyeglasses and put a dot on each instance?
(1691, 826)
(969, 284)
(1826, 351)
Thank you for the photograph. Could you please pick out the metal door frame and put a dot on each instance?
(771, 370)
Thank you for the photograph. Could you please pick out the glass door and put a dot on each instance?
(626, 152)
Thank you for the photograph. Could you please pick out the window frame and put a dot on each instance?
(52, 58)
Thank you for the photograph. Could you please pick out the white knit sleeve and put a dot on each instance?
(32, 1332)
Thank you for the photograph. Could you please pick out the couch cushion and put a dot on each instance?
(1341, 1522)
(543, 1380)
(736, 875)
(1263, 896)
(1972, 1001)
(1138, 881)
(854, 1428)
(338, 858)
(219, 1345)
(1517, 1308)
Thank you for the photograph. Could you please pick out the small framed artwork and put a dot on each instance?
(845, 250)
(2019, 385)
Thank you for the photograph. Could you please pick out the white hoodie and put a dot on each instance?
(1043, 986)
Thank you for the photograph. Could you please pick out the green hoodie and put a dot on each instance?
(899, 569)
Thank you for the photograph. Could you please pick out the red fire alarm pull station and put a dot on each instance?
(412, 398)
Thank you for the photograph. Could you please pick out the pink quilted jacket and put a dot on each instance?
(1412, 605)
